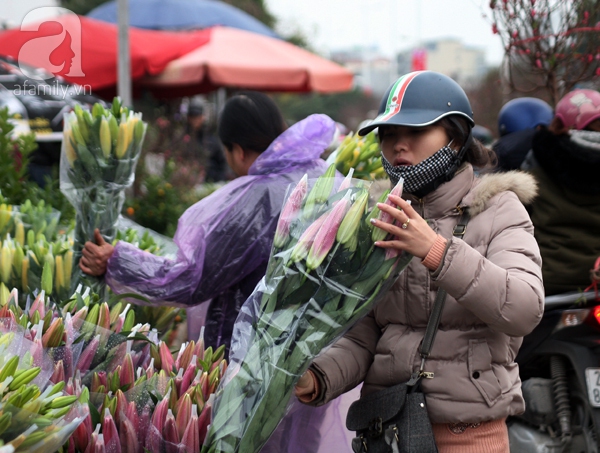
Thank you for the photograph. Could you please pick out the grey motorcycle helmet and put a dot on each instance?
(419, 99)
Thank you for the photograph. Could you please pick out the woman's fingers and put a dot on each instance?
(403, 205)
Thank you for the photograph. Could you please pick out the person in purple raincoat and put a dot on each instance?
(224, 240)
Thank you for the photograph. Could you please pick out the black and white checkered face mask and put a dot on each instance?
(418, 176)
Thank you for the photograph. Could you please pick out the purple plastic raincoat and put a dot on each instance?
(225, 239)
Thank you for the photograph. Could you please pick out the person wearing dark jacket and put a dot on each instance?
(566, 212)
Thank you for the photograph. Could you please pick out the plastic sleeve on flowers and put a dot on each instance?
(435, 255)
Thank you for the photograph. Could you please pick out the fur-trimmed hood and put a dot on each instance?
(522, 184)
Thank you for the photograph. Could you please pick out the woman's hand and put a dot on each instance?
(411, 231)
(305, 387)
(95, 256)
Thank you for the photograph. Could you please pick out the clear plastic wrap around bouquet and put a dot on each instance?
(324, 274)
(99, 154)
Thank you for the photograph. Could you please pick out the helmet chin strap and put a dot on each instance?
(451, 170)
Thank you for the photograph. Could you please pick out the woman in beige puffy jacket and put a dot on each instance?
(492, 275)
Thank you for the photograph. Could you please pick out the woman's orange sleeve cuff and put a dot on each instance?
(436, 253)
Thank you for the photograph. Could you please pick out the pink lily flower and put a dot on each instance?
(81, 435)
(79, 316)
(127, 377)
(289, 212)
(38, 305)
(204, 419)
(131, 414)
(122, 405)
(199, 350)
(160, 412)
(185, 355)
(87, 356)
(304, 244)
(144, 424)
(191, 438)
(184, 410)
(347, 180)
(100, 447)
(104, 316)
(58, 375)
(111, 435)
(118, 326)
(326, 236)
(128, 437)
(93, 440)
(166, 358)
(178, 380)
(170, 433)
(189, 374)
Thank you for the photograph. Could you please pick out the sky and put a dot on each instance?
(391, 25)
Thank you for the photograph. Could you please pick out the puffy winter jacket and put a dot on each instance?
(495, 297)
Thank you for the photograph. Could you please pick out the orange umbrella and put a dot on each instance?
(241, 59)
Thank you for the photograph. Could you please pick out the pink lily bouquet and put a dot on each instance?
(324, 274)
(130, 394)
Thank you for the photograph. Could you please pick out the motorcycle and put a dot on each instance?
(560, 371)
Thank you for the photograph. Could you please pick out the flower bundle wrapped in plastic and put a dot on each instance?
(323, 275)
(36, 415)
(99, 154)
(164, 406)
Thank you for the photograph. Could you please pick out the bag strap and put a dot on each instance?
(436, 313)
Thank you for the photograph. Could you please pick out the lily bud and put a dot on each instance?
(204, 419)
(39, 305)
(304, 244)
(184, 356)
(350, 225)
(347, 180)
(87, 356)
(289, 212)
(47, 277)
(184, 409)
(191, 438)
(58, 375)
(326, 236)
(170, 433)
(127, 377)
(122, 142)
(166, 358)
(104, 316)
(378, 234)
(160, 412)
(105, 139)
(69, 146)
(111, 435)
(320, 191)
(53, 336)
(128, 437)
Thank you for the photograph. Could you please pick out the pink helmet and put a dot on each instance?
(579, 108)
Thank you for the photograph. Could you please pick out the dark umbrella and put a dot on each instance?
(181, 15)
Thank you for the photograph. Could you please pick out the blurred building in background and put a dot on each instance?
(375, 72)
(449, 56)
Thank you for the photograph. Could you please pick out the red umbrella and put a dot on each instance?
(84, 51)
(241, 59)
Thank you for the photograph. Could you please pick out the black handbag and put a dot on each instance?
(395, 420)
